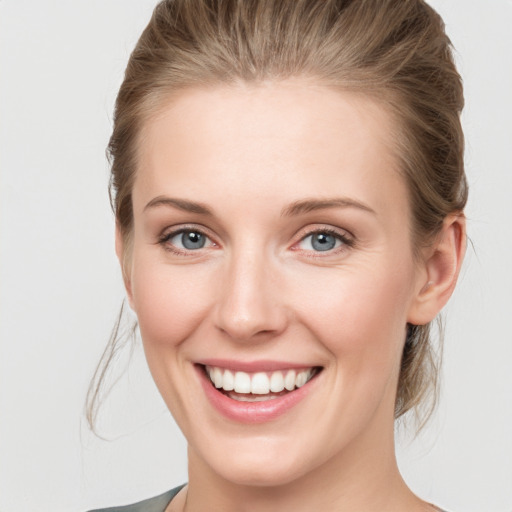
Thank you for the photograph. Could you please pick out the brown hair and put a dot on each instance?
(393, 50)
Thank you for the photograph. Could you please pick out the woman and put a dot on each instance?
(289, 189)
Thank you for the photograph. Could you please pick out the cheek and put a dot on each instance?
(359, 314)
(170, 301)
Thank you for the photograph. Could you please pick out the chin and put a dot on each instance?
(259, 464)
(260, 474)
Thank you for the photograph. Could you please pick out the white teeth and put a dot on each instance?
(217, 377)
(289, 380)
(276, 382)
(242, 382)
(260, 383)
(229, 381)
(301, 379)
(251, 398)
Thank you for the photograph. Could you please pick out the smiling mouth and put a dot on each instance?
(258, 386)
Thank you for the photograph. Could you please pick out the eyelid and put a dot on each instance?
(171, 231)
(347, 238)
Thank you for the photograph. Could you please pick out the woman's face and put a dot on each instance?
(271, 247)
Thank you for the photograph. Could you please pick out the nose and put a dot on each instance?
(251, 301)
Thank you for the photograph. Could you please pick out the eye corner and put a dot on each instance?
(173, 240)
(336, 241)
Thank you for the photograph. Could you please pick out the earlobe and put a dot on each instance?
(442, 265)
(122, 252)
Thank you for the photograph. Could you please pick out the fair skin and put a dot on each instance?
(271, 233)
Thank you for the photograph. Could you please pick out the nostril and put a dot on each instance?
(257, 322)
(248, 308)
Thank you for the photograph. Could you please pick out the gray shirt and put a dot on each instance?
(157, 504)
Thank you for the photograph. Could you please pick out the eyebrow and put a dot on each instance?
(309, 205)
(296, 208)
(181, 204)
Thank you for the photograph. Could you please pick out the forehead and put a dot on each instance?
(273, 140)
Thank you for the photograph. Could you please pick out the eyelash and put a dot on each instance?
(165, 238)
(347, 242)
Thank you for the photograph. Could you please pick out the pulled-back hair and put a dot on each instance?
(395, 51)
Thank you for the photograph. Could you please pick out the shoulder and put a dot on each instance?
(156, 504)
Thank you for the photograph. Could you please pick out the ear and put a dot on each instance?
(441, 268)
(122, 252)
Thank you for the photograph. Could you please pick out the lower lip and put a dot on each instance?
(252, 412)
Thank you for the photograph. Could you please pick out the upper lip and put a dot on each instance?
(254, 366)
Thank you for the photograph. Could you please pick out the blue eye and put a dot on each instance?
(189, 240)
(321, 241)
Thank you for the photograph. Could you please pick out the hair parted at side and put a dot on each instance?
(395, 51)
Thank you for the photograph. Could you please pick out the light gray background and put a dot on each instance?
(61, 64)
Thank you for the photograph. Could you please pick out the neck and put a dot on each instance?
(363, 477)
